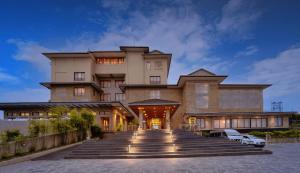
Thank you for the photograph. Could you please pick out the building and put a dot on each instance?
(120, 86)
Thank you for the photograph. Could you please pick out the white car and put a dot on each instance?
(231, 134)
(252, 140)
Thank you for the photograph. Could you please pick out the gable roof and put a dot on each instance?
(201, 72)
(156, 52)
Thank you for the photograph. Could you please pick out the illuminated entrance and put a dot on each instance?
(154, 113)
(155, 123)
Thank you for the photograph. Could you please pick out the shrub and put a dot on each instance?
(60, 126)
(278, 134)
(12, 135)
(97, 131)
(37, 127)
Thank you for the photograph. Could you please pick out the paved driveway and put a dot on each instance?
(285, 159)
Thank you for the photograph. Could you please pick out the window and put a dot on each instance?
(79, 76)
(118, 83)
(35, 114)
(234, 123)
(278, 121)
(120, 96)
(154, 79)
(105, 97)
(258, 122)
(201, 123)
(148, 65)
(219, 124)
(79, 91)
(94, 92)
(24, 114)
(93, 78)
(110, 61)
(155, 94)
(105, 84)
(201, 91)
(9, 114)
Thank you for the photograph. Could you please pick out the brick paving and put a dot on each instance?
(285, 159)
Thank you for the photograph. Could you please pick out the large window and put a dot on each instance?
(241, 123)
(118, 83)
(258, 122)
(105, 97)
(105, 84)
(110, 61)
(154, 79)
(201, 91)
(278, 121)
(155, 94)
(79, 76)
(79, 91)
(120, 96)
(221, 124)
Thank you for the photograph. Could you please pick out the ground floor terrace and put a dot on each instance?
(153, 114)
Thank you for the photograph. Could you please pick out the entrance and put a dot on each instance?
(155, 123)
(154, 113)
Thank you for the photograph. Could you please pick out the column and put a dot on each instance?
(140, 118)
(168, 121)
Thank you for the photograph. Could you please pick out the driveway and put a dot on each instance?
(285, 159)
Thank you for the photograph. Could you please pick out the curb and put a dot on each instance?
(35, 155)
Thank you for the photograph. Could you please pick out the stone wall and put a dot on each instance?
(39, 143)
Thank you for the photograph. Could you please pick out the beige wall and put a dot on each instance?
(240, 100)
(155, 71)
(190, 97)
(66, 94)
(62, 69)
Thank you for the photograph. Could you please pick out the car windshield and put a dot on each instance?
(233, 133)
(252, 137)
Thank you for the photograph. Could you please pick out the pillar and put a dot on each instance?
(140, 118)
(168, 120)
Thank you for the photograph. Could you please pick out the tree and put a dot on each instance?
(88, 118)
(76, 121)
(59, 124)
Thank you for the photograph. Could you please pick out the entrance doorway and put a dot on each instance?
(155, 123)
(105, 123)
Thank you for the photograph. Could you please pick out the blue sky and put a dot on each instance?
(250, 41)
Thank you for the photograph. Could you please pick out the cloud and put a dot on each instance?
(175, 27)
(282, 71)
(238, 17)
(31, 52)
(5, 77)
(250, 50)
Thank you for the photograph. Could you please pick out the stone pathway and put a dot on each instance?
(285, 159)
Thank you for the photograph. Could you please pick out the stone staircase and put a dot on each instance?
(160, 144)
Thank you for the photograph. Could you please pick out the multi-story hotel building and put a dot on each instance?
(120, 86)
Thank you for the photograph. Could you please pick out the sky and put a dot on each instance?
(250, 41)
